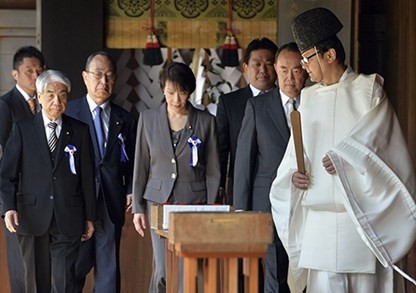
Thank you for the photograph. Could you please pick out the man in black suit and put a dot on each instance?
(260, 148)
(260, 73)
(19, 103)
(47, 188)
(113, 132)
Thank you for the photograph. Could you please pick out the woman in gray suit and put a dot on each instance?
(176, 158)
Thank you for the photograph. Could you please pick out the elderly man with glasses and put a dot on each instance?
(113, 134)
(342, 222)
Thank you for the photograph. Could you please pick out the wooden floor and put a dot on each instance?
(4, 274)
(135, 261)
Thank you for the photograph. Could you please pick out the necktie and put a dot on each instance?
(53, 139)
(291, 105)
(32, 105)
(99, 130)
(262, 92)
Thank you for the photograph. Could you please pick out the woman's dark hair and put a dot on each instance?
(334, 43)
(179, 74)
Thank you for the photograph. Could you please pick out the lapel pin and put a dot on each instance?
(189, 127)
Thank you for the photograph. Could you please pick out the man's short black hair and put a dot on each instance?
(291, 47)
(258, 44)
(27, 52)
(101, 53)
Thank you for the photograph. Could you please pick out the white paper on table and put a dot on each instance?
(167, 209)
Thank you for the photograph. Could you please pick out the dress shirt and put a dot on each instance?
(256, 92)
(48, 130)
(285, 103)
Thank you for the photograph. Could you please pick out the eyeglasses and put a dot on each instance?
(99, 75)
(305, 60)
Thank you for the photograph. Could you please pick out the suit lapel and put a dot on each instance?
(115, 127)
(277, 114)
(242, 101)
(188, 129)
(21, 103)
(164, 128)
(64, 138)
(40, 139)
(247, 93)
(84, 114)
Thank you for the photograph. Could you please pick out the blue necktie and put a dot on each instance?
(99, 130)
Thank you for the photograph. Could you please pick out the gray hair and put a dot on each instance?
(50, 76)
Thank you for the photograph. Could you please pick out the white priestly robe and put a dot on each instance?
(342, 223)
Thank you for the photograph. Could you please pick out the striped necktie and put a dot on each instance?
(32, 105)
(53, 139)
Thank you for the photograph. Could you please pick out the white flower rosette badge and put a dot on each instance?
(123, 154)
(70, 154)
(194, 143)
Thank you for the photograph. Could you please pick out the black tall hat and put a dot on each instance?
(314, 26)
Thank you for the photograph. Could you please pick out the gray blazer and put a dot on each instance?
(161, 172)
(261, 145)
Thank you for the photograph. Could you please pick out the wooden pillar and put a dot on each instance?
(400, 77)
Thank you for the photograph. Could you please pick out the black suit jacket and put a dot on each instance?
(113, 176)
(261, 145)
(38, 188)
(230, 113)
(13, 107)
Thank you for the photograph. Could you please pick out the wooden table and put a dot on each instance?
(220, 239)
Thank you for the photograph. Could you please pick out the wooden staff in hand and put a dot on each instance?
(297, 139)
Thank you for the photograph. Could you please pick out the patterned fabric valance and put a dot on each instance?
(189, 24)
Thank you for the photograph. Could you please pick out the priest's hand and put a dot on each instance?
(139, 222)
(300, 181)
(329, 167)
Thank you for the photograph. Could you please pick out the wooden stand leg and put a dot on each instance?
(190, 273)
(210, 275)
(224, 274)
(231, 275)
(168, 263)
(172, 273)
(251, 274)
